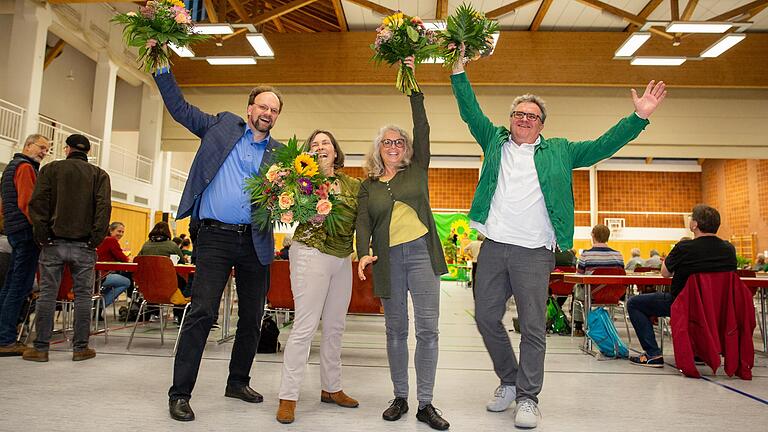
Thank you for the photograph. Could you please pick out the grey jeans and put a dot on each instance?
(81, 261)
(505, 270)
(411, 270)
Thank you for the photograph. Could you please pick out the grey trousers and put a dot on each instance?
(81, 260)
(411, 270)
(503, 271)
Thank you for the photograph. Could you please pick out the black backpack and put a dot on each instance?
(268, 342)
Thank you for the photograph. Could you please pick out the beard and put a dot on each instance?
(261, 126)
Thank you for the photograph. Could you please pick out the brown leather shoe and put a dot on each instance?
(85, 354)
(14, 349)
(32, 354)
(285, 412)
(339, 398)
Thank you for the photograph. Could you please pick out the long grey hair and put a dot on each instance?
(374, 165)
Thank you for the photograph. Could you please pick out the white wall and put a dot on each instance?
(182, 160)
(127, 113)
(5, 36)
(128, 140)
(69, 101)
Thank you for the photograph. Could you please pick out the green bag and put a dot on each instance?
(556, 321)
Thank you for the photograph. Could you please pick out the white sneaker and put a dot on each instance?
(527, 415)
(502, 399)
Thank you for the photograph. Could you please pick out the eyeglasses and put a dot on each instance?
(388, 143)
(530, 116)
(42, 147)
(266, 108)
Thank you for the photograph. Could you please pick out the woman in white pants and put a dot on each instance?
(321, 281)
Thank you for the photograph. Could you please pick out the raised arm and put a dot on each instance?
(188, 115)
(480, 126)
(421, 150)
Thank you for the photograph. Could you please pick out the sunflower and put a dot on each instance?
(460, 227)
(396, 20)
(305, 165)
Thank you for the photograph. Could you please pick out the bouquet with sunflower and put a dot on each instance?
(294, 190)
(471, 28)
(157, 24)
(398, 37)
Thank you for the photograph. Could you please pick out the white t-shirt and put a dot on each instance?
(518, 214)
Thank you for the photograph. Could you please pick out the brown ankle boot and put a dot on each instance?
(285, 412)
(339, 398)
(85, 354)
(32, 354)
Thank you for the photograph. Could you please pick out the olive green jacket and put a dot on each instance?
(554, 158)
(409, 186)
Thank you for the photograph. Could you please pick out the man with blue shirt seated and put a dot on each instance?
(231, 150)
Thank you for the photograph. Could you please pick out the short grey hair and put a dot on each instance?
(373, 165)
(635, 252)
(532, 98)
(654, 252)
(34, 138)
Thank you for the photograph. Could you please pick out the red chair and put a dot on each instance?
(557, 286)
(156, 280)
(606, 295)
(363, 301)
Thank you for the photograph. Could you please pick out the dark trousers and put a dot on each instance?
(18, 282)
(640, 309)
(217, 252)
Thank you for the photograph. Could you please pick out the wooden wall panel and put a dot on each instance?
(136, 220)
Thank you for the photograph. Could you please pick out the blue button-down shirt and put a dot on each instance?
(224, 199)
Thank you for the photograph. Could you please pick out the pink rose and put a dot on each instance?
(182, 18)
(151, 43)
(285, 201)
(322, 191)
(286, 217)
(323, 207)
(272, 173)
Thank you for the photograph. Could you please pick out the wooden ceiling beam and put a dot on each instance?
(543, 9)
(689, 8)
(54, 52)
(503, 10)
(280, 11)
(626, 16)
(240, 10)
(317, 18)
(338, 9)
(674, 8)
(375, 7)
(746, 9)
(644, 13)
(441, 9)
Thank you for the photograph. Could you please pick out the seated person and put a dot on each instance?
(635, 261)
(600, 256)
(186, 249)
(285, 251)
(654, 261)
(160, 244)
(705, 253)
(759, 263)
(110, 250)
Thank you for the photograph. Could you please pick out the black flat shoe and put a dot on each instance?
(245, 393)
(396, 410)
(431, 416)
(180, 410)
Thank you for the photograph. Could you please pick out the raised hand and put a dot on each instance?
(651, 99)
(458, 67)
(410, 61)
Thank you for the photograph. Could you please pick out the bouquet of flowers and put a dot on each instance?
(471, 28)
(156, 25)
(398, 37)
(295, 190)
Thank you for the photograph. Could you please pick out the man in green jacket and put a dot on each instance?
(523, 205)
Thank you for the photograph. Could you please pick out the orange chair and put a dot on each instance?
(607, 295)
(155, 278)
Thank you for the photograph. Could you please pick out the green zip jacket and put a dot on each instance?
(554, 158)
(376, 199)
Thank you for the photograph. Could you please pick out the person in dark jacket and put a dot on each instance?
(705, 253)
(394, 214)
(231, 149)
(16, 186)
(70, 211)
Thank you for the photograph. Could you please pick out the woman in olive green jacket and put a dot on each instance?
(394, 212)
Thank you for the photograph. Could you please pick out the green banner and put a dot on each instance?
(455, 234)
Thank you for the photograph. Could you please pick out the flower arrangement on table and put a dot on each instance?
(470, 28)
(157, 24)
(295, 190)
(398, 37)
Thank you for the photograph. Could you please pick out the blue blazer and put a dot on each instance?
(218, 135)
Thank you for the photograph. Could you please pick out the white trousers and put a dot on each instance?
(322, 288)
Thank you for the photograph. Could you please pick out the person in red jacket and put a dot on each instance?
(705, 253)
(110, 251)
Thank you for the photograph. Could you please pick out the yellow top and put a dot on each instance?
(405, 225)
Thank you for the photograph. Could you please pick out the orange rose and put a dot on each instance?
(272, 173)
(286, 217)
(323, 207)
(285, 201)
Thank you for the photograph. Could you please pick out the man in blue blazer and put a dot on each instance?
(231, 149)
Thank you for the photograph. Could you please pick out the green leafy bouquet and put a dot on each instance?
(295, 190)
(157, 24)
(398, 37)
(471, 28)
